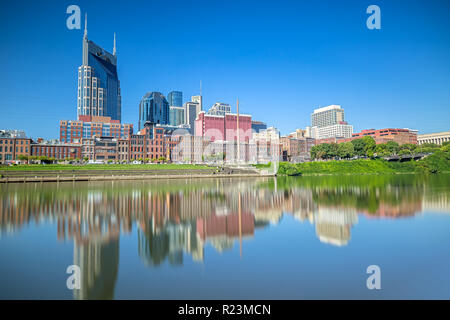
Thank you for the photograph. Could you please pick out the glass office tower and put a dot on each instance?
(98, 82)
(175, 98)
(153, 108)
(176, 116)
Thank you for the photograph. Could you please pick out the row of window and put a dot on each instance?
(7, 156)
(52, 150)
(18, 149)
(140, 149)
(12, 142)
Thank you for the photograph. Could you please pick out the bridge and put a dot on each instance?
(406, 157)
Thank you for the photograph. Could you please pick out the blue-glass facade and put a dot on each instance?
(257, 126)
(176, 116)
(98, 82)
(153, 108)
(175, 98)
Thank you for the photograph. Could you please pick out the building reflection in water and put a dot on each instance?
(178, 218)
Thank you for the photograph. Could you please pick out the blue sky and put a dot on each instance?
(281, 59)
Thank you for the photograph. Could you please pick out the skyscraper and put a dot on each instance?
(153, 108)
(98, 82)
(176, 116)
(199, 101)
(175, 98)
(190, 114)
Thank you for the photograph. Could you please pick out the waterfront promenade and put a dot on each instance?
(79, 173)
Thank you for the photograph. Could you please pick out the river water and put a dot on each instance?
(230, 238)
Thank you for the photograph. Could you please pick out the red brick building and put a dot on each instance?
(224, 128)
(149, 143)
(401, 136)
(89, 126)
(11, 148)
(58, 151)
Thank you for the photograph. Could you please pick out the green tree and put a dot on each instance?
(382, 150)
(358, 146)
(346, 150)
(321, 151)
(369, 146)
(333, 151)
(23, 157)
(408, 148)
(392, 147)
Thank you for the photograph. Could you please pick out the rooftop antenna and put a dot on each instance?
(85, 25)
(114, 49)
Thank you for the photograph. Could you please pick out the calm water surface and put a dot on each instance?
(290, 238)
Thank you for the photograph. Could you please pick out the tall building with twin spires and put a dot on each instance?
(98, 82)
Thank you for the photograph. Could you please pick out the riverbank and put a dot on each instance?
(105, 167)
(62, 173)
(76, 178)
(437, 162)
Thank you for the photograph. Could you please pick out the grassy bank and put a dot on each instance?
(56, 167)
(435, 163)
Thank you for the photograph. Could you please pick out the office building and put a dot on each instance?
(175, 99)
(257, 126)
(329, 122)
(98, 82)
(92, 126)
(401, 136)
(154, 108)
(333, 131)
(190, 113)
(327, 116)
(176, 116)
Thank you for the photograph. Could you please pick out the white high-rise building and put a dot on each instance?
(327, 116)
(329, 122)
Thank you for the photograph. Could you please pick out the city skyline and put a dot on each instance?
(370, 74)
